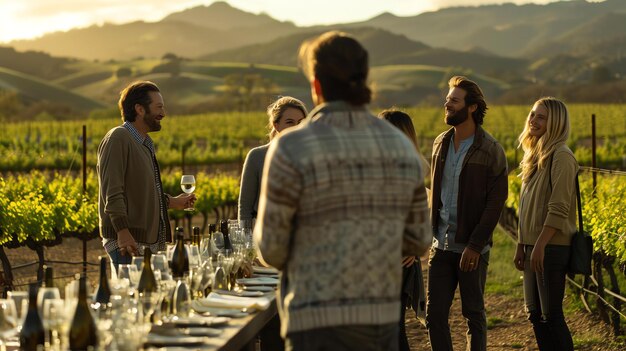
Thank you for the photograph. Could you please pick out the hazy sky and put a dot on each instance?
(21, 19)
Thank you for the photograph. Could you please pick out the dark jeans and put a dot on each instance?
(444, 274)
(543, 297)
(270, 336)
(345, 338)
(117, 259)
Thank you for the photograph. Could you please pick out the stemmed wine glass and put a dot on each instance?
(8, 321)
(188, 185)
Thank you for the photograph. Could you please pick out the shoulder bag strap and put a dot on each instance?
(580, 207)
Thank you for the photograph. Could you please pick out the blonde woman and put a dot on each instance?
(547, 220)
(283, 113)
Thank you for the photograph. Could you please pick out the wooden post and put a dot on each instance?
(182, 158)
(593, 152)
(84, 194)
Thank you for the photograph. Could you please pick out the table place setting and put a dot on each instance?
(196, 321)
(168, 330)
(261, 288)
(269, 281)
(157, 340)
(241, 293)
(264, 270)
(215, 300)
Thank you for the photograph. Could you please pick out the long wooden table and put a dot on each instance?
(240, 333)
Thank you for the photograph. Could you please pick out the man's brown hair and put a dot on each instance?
(473, 96)
(135, 93)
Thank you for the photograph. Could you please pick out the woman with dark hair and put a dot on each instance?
(283, 113)
(547, 220)
(412, 278)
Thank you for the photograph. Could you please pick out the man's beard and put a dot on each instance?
(459, 117)
(151, 121)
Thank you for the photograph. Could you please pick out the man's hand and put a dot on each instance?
(469, 260)
(126, 243)
(182, 201)
(408, 261)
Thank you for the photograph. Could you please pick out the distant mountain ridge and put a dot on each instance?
(507, 30)
(384, 48)
(513, 51)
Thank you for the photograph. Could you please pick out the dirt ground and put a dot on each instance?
(509, 331)
(512, 331)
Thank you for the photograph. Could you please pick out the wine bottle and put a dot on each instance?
(212, 248)
(83, 332)
(103, 294)
(180, 256)
(224, 229)
(147, 281)
(32, 334)
(195, 240)
(49, 277)
(48, 290)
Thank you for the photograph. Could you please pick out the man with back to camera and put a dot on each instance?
(342, 201)
(132, 206)
(469, 188)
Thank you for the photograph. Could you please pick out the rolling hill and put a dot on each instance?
(507, 48)
(30, 88)
(187, 34)
(38, 64)
(384, 47)
(507, 30)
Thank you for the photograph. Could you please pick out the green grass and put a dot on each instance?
(502, 277)
(494, 322)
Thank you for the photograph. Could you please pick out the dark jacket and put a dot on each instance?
(483, 188)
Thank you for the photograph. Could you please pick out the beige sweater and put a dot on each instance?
(128, 197)
(342, 200)
(554, 206)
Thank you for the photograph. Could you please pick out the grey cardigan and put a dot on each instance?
(251, 182)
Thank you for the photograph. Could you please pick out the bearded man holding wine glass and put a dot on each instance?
(132, 205)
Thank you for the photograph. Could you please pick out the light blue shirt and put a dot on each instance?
(446, 231)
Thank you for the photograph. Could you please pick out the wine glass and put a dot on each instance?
(46, 293)
(130, 272)
(55, 320)
(21, 304)
(8, 320)
(194, 255)
(138, 261)
(159, 261)
(188, 184)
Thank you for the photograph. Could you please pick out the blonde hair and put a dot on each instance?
(276, 109)
(538, 150)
